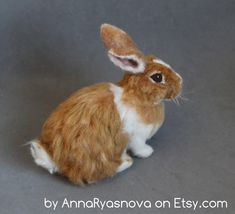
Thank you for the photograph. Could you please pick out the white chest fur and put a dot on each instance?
(132, 124)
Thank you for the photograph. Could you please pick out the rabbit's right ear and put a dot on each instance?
(122, 51)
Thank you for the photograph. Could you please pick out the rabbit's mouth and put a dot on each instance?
(176, 99)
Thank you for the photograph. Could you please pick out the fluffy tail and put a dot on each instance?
(41, 157)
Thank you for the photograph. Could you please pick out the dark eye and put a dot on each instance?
(157, 77)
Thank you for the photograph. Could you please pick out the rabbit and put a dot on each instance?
(88, 137)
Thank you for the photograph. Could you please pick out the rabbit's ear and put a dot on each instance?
(131, 63)
(122, 51)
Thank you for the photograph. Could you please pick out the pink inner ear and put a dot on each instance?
(128, 62)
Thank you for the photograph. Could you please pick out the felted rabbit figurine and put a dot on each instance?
(87, 137)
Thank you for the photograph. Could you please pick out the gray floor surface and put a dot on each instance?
(48, 49)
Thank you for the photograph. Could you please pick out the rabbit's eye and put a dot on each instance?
(157, 78)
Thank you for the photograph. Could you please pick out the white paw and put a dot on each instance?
(144, 152)
(125, 164)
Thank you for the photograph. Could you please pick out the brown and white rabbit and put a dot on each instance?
(87, 137)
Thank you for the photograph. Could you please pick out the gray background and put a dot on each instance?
(48, 49)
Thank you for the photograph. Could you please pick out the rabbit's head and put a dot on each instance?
(147, 77)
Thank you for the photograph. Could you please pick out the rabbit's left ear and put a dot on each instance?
(122, 51)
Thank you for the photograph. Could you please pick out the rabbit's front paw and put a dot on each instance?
(143, 151)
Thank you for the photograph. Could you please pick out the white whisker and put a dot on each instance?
(177, 101)
(183, 98)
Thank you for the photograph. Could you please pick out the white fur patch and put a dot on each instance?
(140, 63)
(159, 61)
(181, 79)
(137, 130)
(41, 157)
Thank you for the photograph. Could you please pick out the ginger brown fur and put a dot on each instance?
(118, 40)
(83, 135)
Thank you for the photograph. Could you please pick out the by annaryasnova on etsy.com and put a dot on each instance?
(177, 203)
